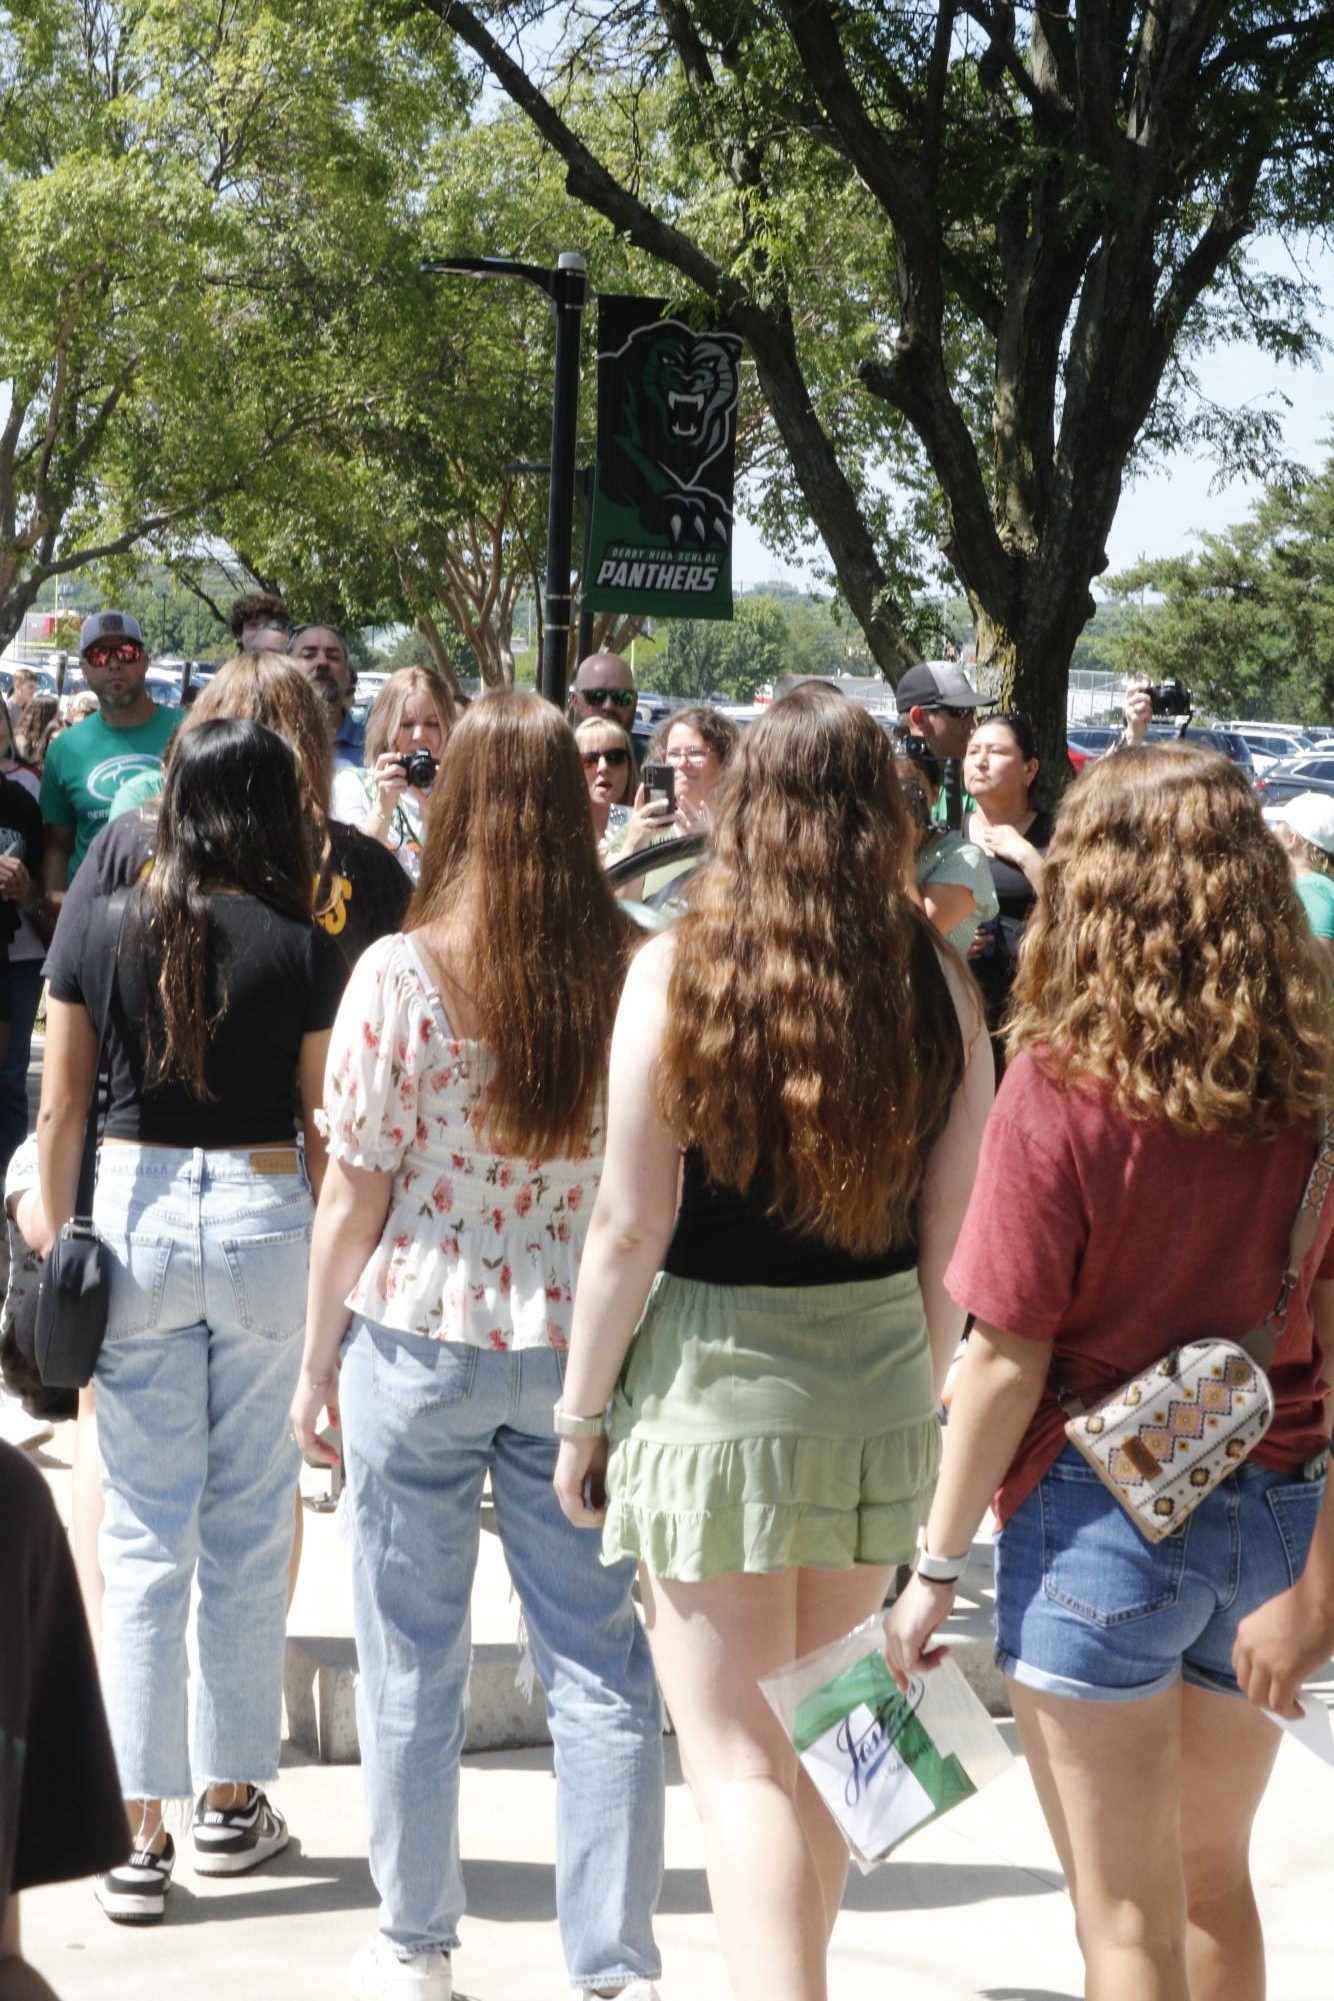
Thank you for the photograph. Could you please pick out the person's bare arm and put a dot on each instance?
(1288, 1637)
(998, 1390)
(310, 1066)
(69, 1071)
(951, 1172)
(18, 1980)
(349, 1222)
(631, 1222)
(57, 848)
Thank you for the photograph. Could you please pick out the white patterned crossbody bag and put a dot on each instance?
(1164, 1440)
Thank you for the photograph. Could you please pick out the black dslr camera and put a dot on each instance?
(1170, 698)
(419, 768)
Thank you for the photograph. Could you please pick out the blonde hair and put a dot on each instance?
(382, 724)
(270, 688)
(1168, 958)
(800, 947)
(623, 742)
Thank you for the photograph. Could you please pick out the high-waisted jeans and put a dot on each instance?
(423, 1424)
(210, 1254)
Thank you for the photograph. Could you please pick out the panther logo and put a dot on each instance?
(672, 430)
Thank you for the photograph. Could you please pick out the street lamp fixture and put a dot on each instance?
(565, 285)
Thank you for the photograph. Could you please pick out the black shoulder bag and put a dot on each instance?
(76, 1275)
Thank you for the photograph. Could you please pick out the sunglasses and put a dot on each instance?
(125, 652)
(615, 757)
(622, 698)
(947, 709)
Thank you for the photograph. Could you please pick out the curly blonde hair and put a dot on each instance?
(811, 1048)
(1168, 957)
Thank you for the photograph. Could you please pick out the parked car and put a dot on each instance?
(1268, 742)
(1313, 771)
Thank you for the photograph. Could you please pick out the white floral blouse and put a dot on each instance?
(476, 1247)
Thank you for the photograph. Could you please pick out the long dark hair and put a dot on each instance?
(231, 819)
(510, 849)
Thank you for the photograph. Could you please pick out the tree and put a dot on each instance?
(1248, 623)
(192, 203)
(1052, 205)
(712, 656)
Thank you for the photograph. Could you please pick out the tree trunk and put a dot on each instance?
(430, 632)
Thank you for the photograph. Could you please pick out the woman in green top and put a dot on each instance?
(1304, 828)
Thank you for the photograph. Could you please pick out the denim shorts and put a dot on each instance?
(1087, 1608)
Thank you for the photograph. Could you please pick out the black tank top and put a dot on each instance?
(725, 1236)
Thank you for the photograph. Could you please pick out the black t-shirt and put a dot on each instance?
(362, 894)
(999, 939)
(21, 835)
(60, 1806)
(726, 1237)
(281, 978)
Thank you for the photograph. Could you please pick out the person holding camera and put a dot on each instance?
(412, 716)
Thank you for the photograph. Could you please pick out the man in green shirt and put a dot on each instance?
(88, 763)
(937, 701)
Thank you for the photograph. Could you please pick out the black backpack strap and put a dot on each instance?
(114, 912)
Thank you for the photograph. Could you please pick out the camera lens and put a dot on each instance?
(419, 768)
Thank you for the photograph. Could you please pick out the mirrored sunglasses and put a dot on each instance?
(621, 698)
(124, 651)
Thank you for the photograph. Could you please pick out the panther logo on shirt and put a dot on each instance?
(105, 780)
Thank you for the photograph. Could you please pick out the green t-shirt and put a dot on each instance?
(86, 767)
(1317, 894)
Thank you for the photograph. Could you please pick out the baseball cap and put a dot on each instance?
(939, 685)
(1310, 814)
(109, 625)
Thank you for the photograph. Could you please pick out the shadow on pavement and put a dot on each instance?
(523, 1892)
(291, 1885)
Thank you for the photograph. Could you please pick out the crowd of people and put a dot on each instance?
(426, 1148)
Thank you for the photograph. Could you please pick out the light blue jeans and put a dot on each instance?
(424, 1422)
(208, 1297)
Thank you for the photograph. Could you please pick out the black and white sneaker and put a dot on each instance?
(229, 1840)
(136, 1893)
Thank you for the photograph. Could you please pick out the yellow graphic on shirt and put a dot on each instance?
(332, 917)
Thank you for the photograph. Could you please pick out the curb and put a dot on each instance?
(320, 1678)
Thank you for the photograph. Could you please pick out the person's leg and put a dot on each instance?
(602, 1700)
(86, 1511)
(1228, 1750)
(1108, 1777)
(417, 1430)
(711, 1643)
(829, 1604)
(255, 1238)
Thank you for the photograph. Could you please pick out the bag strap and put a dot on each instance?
(432, 990)
(1261, 1344)
(117, 907)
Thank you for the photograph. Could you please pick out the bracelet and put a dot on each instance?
(937, 1569)
(566, 1424)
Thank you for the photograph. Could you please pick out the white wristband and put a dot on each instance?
(938, 1569)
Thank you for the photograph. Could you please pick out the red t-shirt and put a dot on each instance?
(1115, 1241)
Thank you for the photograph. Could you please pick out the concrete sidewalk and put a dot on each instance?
(971, 1907)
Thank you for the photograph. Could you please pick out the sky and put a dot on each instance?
(1160, 514)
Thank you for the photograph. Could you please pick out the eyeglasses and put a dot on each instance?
(125, 652)
(695, 755)
(621, 698)
(615, 757)
(946, 709)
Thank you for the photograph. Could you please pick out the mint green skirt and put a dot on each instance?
(758, 1427)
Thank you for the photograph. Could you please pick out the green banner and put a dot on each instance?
(660, 540)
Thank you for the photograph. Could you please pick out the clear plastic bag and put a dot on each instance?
(885, 1763)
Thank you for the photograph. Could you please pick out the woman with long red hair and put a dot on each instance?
(799, 1079)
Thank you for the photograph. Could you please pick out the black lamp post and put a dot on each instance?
(565, 286)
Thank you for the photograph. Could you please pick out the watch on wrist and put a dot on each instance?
(566, 1424)
(938, 1569)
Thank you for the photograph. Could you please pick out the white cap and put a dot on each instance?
(1309, 814)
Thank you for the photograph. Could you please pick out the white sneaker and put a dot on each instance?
(638, 1990)
(378, 1974)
